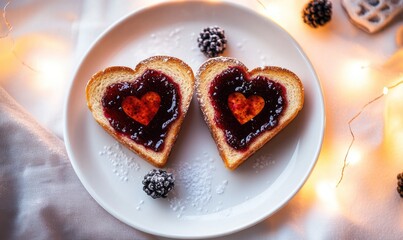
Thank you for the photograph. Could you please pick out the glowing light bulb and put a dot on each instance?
(354, 157)
(385, 90)
(50, 70)
(356, 74)
(326, 193)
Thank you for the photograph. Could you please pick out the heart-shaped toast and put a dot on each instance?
(245, 109)
(143, 108)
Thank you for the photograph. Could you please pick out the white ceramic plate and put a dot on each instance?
(208, 200)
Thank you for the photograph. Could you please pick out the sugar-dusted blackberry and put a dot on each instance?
(158, 183)
(212, 41)
(400, 184)
(317, 13)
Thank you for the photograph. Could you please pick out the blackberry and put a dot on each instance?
(158, 183)
(212, 41)
(400, 184)
(317, 13)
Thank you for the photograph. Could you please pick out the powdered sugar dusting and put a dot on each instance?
(121, 163)
(161, 43)
(175, 32)
(241, 45)
(265, 58)
(195, 187)
(140, 203)
(220, 189)
(262, 162)
(199, 190)
(193, 180)
(177, 205)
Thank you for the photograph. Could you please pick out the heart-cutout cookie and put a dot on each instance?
(244, 109)
(142, 110)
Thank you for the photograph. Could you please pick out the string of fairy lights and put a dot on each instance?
(6, 34)
(6, 22)
(385, 91)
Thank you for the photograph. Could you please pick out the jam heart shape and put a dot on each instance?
(142, 110)
(244, 109)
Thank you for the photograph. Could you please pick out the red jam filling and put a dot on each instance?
(230, 84)
(131, 109)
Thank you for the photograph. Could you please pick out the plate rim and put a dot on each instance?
(153, 7)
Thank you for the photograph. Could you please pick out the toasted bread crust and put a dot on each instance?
(295, 99)
(175, 68)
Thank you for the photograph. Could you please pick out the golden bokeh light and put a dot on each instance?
(354, 156)
(42, 60)
(394, 122)
(355, 74)
(326, 192)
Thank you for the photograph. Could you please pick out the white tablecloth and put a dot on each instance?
(41, 45)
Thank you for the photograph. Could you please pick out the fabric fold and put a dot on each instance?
(40, 194)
